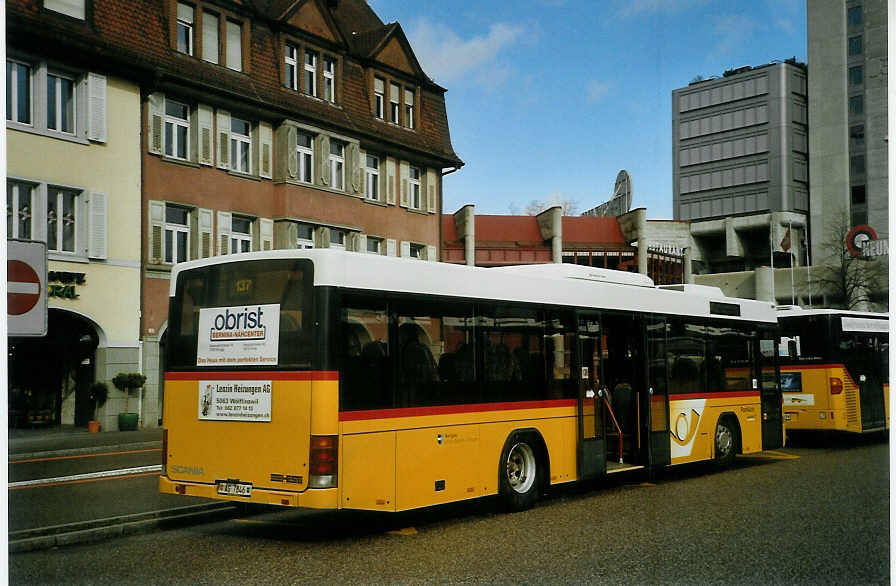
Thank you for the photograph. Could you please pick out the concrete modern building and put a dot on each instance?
(847, 42)
(740, 172)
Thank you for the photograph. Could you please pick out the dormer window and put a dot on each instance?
(379, 96)
(185, 17)
(330, 79)
(409, 108)
(394, 103)
(292, 68)
(311, 73)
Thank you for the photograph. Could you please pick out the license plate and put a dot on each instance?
(234, 489)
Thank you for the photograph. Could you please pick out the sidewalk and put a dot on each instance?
(68, 439)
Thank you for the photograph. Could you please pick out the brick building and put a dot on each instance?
(263, 124)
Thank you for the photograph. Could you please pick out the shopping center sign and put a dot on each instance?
(26, 288)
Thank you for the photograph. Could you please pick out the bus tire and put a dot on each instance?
(519, 482)
(725, 442)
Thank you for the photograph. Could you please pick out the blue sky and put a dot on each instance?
(549, 99)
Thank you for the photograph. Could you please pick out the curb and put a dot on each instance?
(101, 529)
(87, 450)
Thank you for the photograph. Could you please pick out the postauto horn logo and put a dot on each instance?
(238, 325)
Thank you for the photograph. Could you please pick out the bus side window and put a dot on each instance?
(365, 370)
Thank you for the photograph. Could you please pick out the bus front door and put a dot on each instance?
(592, 444)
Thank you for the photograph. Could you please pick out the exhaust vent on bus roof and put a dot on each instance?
(583, 273)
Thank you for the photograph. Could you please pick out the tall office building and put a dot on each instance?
(740, 172)
(847, 116)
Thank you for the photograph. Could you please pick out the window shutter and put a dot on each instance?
(354, 165)
(321, 237)
(405, 172)
(405, 249)
(206, 154)
(362, 164)
(322, 152)
(223, 120)
(286, 167)
(266, 141)
(96, 107)
(362, 242)
(265, 234)
(204, 240)
(390, 246)
(98, 231)
(156, 110)
(351, 241)
(224, 225)
(431, 254)
(390, 181)
(156, 228)
(39, 225)
(430, 191)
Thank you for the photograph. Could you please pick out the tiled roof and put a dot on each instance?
(132, 40)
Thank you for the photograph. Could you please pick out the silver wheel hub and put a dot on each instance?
(521, 468)
(724, 440)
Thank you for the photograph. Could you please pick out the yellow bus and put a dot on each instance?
(835, 369)
(331, 379)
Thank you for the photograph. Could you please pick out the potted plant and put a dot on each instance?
(97, 393)
(127, 382)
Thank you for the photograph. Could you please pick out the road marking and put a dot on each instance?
(90, 476)
(53, 458)
(405, 531)
(771, 455)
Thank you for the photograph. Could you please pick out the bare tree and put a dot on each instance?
(849, 280)
(568, 206)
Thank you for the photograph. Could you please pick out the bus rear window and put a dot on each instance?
(244, 314)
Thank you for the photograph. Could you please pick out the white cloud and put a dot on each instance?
(597, 90)
(446, 57)
(629, 8)
(732, 31)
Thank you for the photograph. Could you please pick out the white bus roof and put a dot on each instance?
(796, 311)
(544, 284)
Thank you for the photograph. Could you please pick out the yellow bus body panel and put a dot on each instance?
(693, 425)
(815, 408)
(272, 455)
(403, 463)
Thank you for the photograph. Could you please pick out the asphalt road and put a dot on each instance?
(808, 514)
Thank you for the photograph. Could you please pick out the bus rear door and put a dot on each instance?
(592, 444)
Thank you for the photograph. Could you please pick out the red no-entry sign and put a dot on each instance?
(26, 288)
(23, 291)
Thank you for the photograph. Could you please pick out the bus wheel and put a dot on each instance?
(725, 443)
(519, 474)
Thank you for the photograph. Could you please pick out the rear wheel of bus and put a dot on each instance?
(520, 472)
(725, 442)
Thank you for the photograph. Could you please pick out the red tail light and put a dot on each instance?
(323, 461)
(836, 386)
(164, 452)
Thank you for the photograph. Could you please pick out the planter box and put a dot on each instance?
(127, 421)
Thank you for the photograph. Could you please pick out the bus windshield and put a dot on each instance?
(245, 313)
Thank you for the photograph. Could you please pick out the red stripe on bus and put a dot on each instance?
(451, 409)
(716, 395)
(810, 366)
(256, 375)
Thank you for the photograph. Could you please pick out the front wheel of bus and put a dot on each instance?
(519, 474)
(725, 443)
